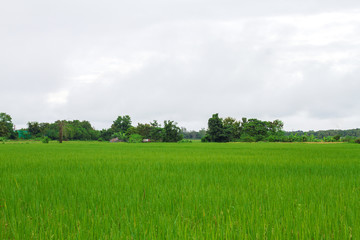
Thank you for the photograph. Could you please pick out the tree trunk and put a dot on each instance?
(61, 128)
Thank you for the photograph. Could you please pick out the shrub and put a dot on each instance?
(185, 141)
(328, 139)
(349, 139)
(135, 138)
(357, 140)
(45, 140)
(3, 140)
(120, 136)
(337, 137)
(247, 139)
(205, 138)
(100, 139)
(276, 138)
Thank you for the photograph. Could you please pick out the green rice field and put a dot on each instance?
(93, 190)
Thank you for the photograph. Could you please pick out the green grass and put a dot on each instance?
(81, 190)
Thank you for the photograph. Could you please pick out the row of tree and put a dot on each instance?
(121, 129)
(246, 130)
(219, 130)
(253, 130)
(329, 133)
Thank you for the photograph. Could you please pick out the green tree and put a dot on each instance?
(216, 130)
(106, 134)
(6, 126)
(232, 128)
(337, 137)
(156, 132)
(121, 124)
(172, 133)
(34, 129)
(144, 130)
(255, 128)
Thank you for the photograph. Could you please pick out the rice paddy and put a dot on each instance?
(92, 190)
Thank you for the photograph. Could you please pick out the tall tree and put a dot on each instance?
(156, 132)
(34, 128)
(256, 128)
(216, 129)
(144, 130)
(121, 124)
(172, 133)
(61, 131)
(6, 126)
(232, 128)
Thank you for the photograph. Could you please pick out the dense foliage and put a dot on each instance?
(219, 130)
(83, 130)
(349, 135)
(246, 130)
(6, 126)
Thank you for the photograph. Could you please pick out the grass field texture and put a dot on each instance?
(85, 190)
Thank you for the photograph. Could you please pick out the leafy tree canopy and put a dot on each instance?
(121, 124)
(6, 126)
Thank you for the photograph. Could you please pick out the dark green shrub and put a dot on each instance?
(205, 138)
(135, 138)
(337, 137)
(247, 139)
(357, 140)
(45, 140)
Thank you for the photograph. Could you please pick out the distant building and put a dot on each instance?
(115, 140)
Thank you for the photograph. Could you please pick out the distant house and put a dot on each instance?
(115, 140)
(146, 140)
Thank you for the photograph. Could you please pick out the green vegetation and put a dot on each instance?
(351, 133)
(252, 130)
(97, 190)
(219, 130)
(6, 126)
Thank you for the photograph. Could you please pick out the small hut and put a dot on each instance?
(115, 140)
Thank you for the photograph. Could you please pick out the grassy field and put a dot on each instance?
(82, 190)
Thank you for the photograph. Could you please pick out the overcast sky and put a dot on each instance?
(298, 61)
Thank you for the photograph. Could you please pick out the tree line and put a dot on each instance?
(326, 135)
(121, 129)
(254, 130)
(245, 130)
(219, 130)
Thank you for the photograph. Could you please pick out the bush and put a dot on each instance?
(135, 138)
(3, 140)
(247, 139)
(349, 139)
(120, 136)
(185, 141)
(328, 139)
(205, 138)
(357, 140)
(337, 137)
(100, 139)
(45, 140)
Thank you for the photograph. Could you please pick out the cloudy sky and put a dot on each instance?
(298, 61)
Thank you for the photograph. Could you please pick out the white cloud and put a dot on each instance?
(182, 60)
(58, 98)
